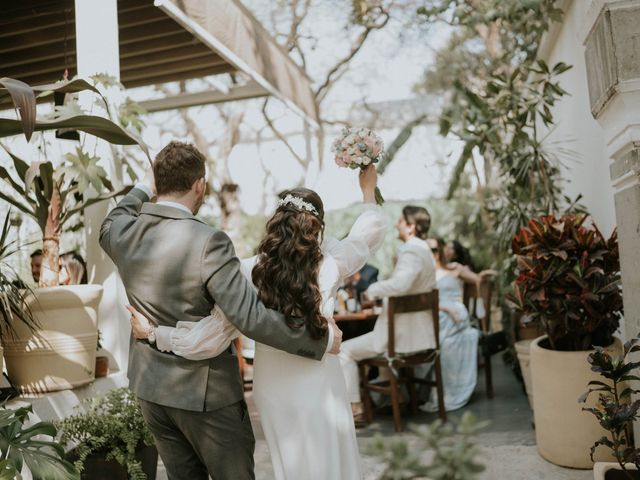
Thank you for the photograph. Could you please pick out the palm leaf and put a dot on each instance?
(24, 101)
(91, 124)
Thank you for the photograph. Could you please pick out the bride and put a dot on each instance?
(303, 405)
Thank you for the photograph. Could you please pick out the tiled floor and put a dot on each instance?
(507, 444)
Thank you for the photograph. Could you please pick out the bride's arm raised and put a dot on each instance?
(367, 233)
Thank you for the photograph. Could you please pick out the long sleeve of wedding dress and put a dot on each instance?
(207, 338)
(365, 237)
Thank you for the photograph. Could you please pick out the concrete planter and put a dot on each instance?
(62, 354)
(612, 471)
(523, 349)
(564, 433)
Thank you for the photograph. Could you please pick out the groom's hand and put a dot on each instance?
(337, 337)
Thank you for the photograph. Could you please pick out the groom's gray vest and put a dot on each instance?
(175, 267)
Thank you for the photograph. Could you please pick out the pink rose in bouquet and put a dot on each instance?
(358, 148)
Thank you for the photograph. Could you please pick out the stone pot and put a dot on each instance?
(612, 471)
(565, 433)
(61, 354)
(523, 349)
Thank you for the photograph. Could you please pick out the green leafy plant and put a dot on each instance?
(49, 194)
(112, 426)
(12, 289)
(615, 410)
(20, 446)
(568, 279)
(454, 458)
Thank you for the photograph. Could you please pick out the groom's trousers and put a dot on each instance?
(196, 445)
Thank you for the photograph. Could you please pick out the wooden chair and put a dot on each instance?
(470, 298)
(400, 366)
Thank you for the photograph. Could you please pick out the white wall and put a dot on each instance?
(587, 165)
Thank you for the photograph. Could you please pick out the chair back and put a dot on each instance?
(421, 302)
(470, 296)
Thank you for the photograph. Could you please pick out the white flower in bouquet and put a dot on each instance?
(358, 148)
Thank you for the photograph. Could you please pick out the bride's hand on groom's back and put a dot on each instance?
(337, 336)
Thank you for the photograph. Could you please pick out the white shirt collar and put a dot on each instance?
(177, 205)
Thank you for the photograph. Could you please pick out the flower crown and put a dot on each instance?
(299, 203)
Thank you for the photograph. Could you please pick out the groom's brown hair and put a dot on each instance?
(176, 167)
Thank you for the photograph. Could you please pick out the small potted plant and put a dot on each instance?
(111, 440)
(28, 448)
(615, 411)
(567, 280)
(102, 361)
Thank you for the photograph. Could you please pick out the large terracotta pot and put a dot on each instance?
(62, 353)
(564, 433)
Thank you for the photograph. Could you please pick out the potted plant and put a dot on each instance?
(102, 361)
(568, 280)
(615, 411)
(13, 308)
(111, 439)
(64, 346)
(26, 448)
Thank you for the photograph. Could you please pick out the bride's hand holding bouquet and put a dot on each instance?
(359, 148)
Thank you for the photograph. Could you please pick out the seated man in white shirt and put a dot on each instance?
(414, 273)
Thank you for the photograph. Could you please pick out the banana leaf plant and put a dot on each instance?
(25, 446)
(568, 279)
(53, 195)
(12, 289)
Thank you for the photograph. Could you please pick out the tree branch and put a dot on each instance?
(322, 90)
(280, 136)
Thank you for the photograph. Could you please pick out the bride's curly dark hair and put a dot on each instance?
(289, 256)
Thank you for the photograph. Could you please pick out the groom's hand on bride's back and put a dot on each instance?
(337, 337)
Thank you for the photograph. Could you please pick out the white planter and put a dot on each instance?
(565, 433)
(62, 354)
(523, 349)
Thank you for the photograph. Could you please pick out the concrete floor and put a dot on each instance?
(507, 445)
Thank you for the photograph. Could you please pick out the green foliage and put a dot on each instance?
(20, 445)
(497, 95)
(12, 293)
(35, 188)
(568, 278)
(454, 454)
(615, 410)
(112, 426)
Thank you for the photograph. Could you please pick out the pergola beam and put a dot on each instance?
(184, 100)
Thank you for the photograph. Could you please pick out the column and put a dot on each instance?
(98, 52)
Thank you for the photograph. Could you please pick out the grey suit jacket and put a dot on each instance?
(175, 267)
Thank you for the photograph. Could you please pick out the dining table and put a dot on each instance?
(354, 324)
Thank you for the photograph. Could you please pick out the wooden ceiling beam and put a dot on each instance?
(142, 80)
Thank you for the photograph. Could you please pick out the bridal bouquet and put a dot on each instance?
(358, 148)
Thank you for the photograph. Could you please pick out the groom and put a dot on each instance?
(175, 268)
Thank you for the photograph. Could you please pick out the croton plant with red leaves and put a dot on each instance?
(568, 279)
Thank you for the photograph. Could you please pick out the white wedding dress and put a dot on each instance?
(304, 410)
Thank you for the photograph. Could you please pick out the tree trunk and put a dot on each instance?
(51, 243)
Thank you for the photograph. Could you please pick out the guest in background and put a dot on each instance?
(454, 251)
(36, 265)
(73, 269)
(458, 339)
(413, 273)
